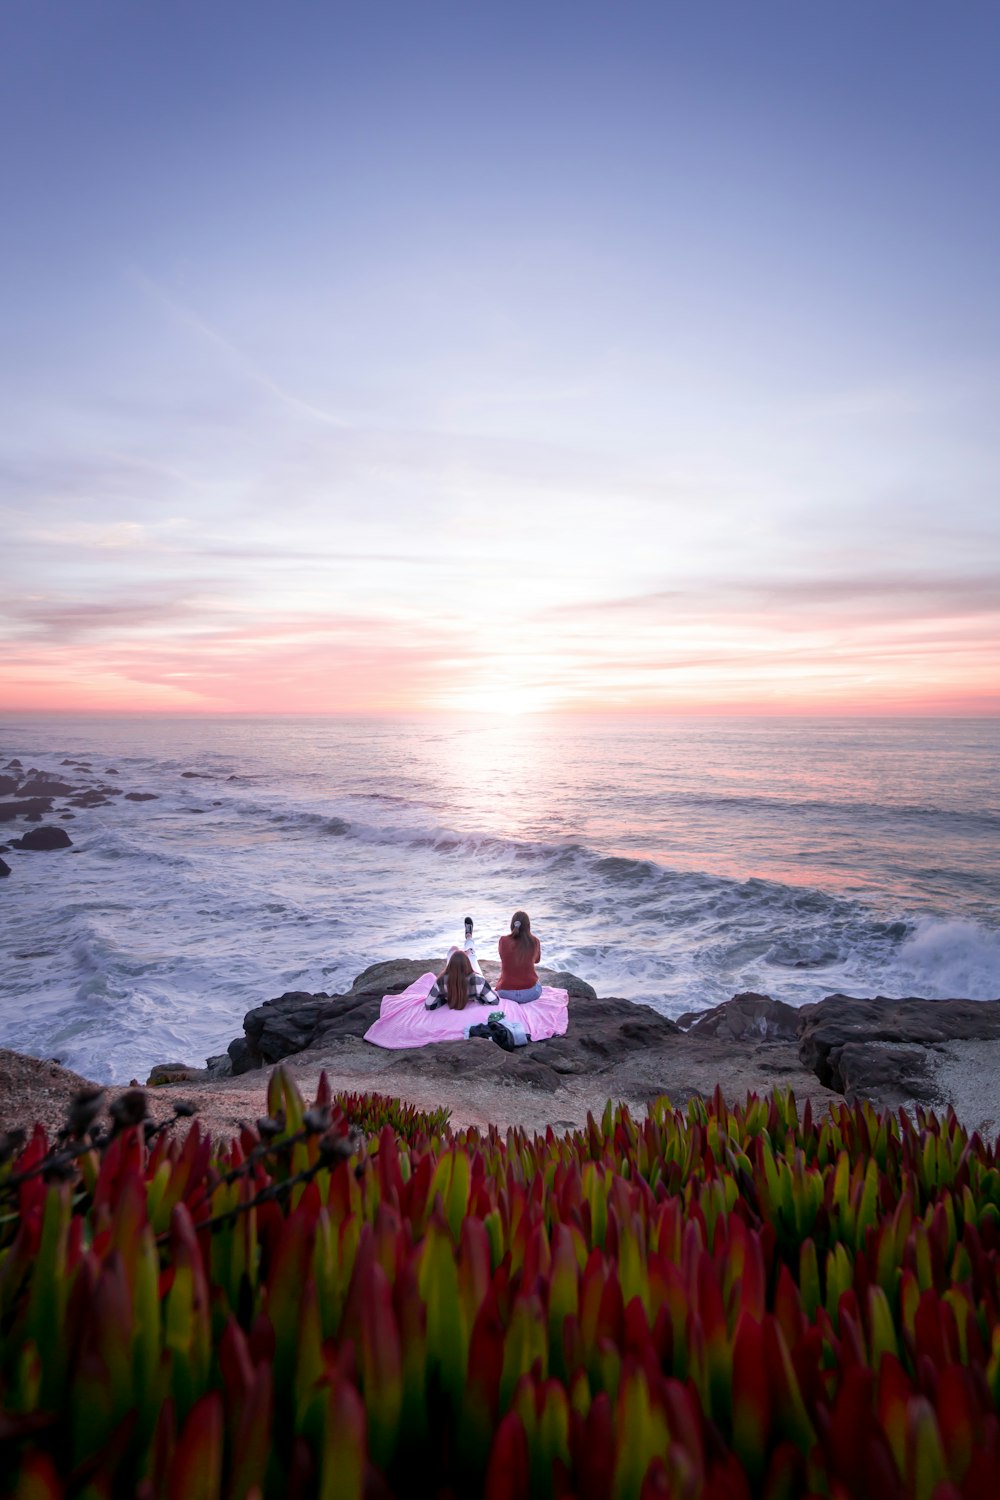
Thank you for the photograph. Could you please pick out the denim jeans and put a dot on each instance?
(521, 995)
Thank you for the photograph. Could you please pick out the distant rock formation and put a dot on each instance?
(43, 838)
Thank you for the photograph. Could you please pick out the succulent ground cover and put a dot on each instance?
(351, 1300)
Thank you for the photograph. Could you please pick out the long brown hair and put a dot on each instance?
(456, 978)
(520, 928)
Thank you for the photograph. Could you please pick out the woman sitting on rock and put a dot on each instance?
(520, 950)
(461, 980)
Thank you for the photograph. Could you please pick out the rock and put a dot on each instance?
(220, 1066)
(392, 976)
(884, 1050)
(174, 1072)
(562, 979)
(141, 797)
(603, 1032)
(4, 868)
(196, 776)
(25, 808)
(40, 839)
(8, 785)
(747, 1016)
(242, 1057)
(93, 797)
(46, 786)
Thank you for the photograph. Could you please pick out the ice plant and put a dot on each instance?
(353, 1300)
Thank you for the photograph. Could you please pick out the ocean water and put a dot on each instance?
(670, 861)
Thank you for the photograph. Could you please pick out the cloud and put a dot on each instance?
(236, 357)
(872, 597)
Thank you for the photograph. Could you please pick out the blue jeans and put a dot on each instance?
(521, 995)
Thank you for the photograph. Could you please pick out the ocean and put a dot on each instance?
(671, 861)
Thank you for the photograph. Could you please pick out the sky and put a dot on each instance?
(500, 356)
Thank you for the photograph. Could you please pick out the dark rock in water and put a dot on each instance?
(24, 809)
(111, 771)
(65, 817)
(43, 839)
(33, 817)
(141, 797)
(196, 775)
(4, 868)
(8, 785)
(14, 765)
(46, 786)
(93, 797)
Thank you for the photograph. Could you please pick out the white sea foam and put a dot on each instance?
(677, 873)
(950, 959)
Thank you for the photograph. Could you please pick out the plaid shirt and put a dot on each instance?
(480, 990)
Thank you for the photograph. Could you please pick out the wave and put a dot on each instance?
(954, 958)
(947, 817)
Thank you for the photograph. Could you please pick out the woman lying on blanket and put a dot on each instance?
(461, 980)
(520, 951)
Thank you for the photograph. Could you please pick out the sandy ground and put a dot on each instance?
(35, 1090)
(967, 1076)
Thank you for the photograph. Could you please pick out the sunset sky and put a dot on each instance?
(500, 356)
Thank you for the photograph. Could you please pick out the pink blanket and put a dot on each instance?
(403, 1021)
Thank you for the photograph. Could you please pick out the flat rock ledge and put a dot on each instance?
(910, 1052)
(893, 1052)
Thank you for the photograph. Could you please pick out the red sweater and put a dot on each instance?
(517, 970)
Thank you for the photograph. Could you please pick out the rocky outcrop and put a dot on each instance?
(4, 868)
(40, 785)
(297, 1020)
(746, 1017)
(44, 838)
(26, 807)
(894, 1053)
(889, 1051)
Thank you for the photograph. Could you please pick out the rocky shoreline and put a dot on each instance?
(896, 1053)
(893, 1052)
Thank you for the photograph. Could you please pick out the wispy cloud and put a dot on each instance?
(236, 356)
